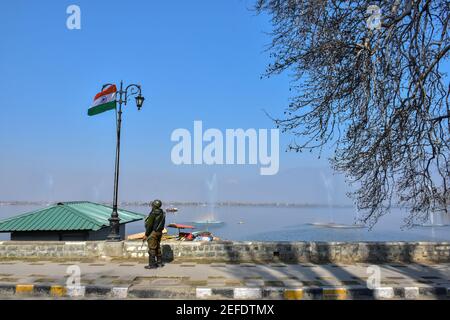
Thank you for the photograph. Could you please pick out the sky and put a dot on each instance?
(195, 60)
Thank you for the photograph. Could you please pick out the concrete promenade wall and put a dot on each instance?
(289, 252)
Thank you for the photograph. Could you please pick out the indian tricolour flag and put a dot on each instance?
(104, 101)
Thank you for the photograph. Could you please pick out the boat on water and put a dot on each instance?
(172, 209)
(209, 223)
(337, 225)
(180, 226)
(430, 225)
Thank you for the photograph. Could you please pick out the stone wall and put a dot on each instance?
(289, 252)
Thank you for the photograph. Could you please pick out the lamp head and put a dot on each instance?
(139, 101)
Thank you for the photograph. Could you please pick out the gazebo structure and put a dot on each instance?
(67, 221)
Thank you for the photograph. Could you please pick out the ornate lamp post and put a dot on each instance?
(122, 97)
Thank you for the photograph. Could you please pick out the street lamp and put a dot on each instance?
(122, 97)
(139, 101)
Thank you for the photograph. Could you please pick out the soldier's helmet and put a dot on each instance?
(156, 204)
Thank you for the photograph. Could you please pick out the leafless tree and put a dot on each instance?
(374, 90)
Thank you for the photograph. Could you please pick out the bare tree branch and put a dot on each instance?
(378, 95)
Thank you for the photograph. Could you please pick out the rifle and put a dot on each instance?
(143, 241)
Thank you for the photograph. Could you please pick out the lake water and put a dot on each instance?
(281, 223)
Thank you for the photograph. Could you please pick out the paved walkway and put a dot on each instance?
(220, 280)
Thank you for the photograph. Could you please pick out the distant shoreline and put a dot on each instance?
(193, 203)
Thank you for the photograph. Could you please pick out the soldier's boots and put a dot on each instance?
(151, 263)
(159, 262)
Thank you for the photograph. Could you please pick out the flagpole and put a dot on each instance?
(114, 220)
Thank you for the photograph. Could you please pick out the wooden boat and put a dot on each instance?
(180, 226)
(182, 235)
(141, 235)
(136, 236)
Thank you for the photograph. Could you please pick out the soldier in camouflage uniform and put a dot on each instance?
(154, 225)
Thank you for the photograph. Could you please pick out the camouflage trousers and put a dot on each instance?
(154, 244)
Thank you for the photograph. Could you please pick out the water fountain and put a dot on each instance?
(328, 183)
(431, 219)
(208, 220)
(49, 185)
(433, 222)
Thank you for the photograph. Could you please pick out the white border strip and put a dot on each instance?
(203, 293)
(247, 293)
(76, 291)
(383, 293)
(119, 292)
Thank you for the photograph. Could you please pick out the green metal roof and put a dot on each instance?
(80, 215)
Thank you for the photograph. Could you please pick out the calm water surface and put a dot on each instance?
(284, 224)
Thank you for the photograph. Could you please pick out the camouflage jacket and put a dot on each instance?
(155, 221)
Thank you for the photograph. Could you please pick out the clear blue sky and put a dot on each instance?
(196, 60)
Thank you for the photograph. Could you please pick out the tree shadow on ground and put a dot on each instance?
(321, 264)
